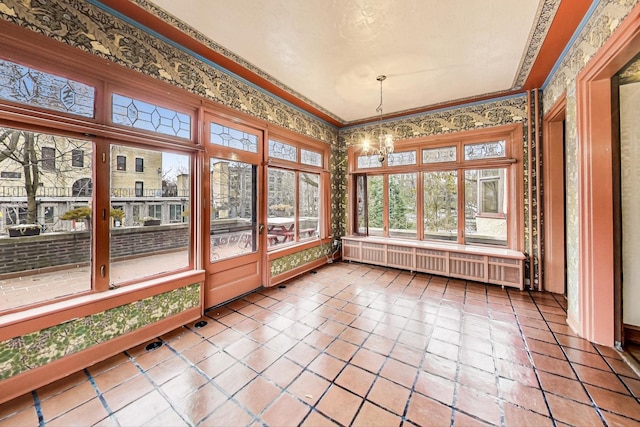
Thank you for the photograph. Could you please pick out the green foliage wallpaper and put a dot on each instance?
(38, 348)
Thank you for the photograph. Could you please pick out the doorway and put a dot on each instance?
(233, 238)
(554, 263)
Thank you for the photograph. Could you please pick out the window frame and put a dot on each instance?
(512, 161)
(299, 167)
(139, 164)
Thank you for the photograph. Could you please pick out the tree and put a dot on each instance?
(36, 157)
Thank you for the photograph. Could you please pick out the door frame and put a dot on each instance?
(232, 277)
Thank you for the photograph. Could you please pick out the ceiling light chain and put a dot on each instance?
(385, 142)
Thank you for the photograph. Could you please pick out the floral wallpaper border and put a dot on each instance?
(298, 259)
(38, 348)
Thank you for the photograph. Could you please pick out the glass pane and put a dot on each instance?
(441, 205)
(486, 150)
(280, 150)
(439, 155)
(232, 138)
(281, 227)
(310, 158)
(485, 207)
(142, 115)
(361, 222)
(399, 159)
(32, 87)
(233, 209)
(309, 205)
(402, 205)
(143, 243)
(365, 162)
(375, 200)
(55, 203)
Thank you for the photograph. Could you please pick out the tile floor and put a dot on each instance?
(355, 345)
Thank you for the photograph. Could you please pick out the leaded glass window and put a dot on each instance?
(485, 150)
(233, 138)
(439, 155)
(310, 158)
(369, 162)
(39, 89)
(138, 114)
(283, 151)
(402, 158)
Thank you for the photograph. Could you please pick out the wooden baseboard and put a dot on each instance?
(631, 334)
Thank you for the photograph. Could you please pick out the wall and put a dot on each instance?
(603, 20)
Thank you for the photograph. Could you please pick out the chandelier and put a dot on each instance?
(385, 142)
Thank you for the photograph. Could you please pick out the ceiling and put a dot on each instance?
(324, 55)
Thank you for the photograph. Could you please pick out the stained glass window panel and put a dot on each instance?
(439, 155)
(486, 150)
(143, 115)
(283, 151)
(310, 158)
(233, 138)
(402, 158)
(32, 87)
(365, 162)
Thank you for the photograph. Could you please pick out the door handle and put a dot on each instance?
(260, 228)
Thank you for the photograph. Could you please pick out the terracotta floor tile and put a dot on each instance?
(61, 385)
(309, 387)
(142, 410)
(263, 334)
(341, 350)
(370, 415)
(553, 365)
(200, 402)
(378, 344)
(424, 411)
(593, 360)
(256, 395)
(517, 416)
(225, 338)
(615, 420)
(602, 379)
(281, 343)
(326, 366)
(405, 354)
(461, 419)
(621, 368)
(234, 378)
(564, 387)
(368, 360)
(180, 386)
(167, 418)
(16, 405)
(216, 364)
(478, 404)
(355, 380)
(618, 403)
(340, 405)
(444, 349)
(282, 372)
(400, 373)
(480, 345)
(572, 412)
(241, 348)
(435, 387)
(316, 419)
(261, 359)
(633, 384)
(546, 348)
(390, 396)
(66, 400)
(477, 360)
(354, 336)
(478, 379)
(440, 366)
(285, 411)
(26, 417)
(530, 398)
(150, 358)
(113, 377)
(229, 414)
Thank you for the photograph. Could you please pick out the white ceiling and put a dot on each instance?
(331, 52)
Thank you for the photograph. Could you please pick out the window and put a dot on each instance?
(233, 138)
(77, 158)
(176, 213)
(157, 250)
(138, 114)
(462, 189)
(68, 245)
(294, 193)
(139, 164)
(48, 160)
(155, 211)
(44, 90)
(82, 188)
(121, 163)
(10, 175)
